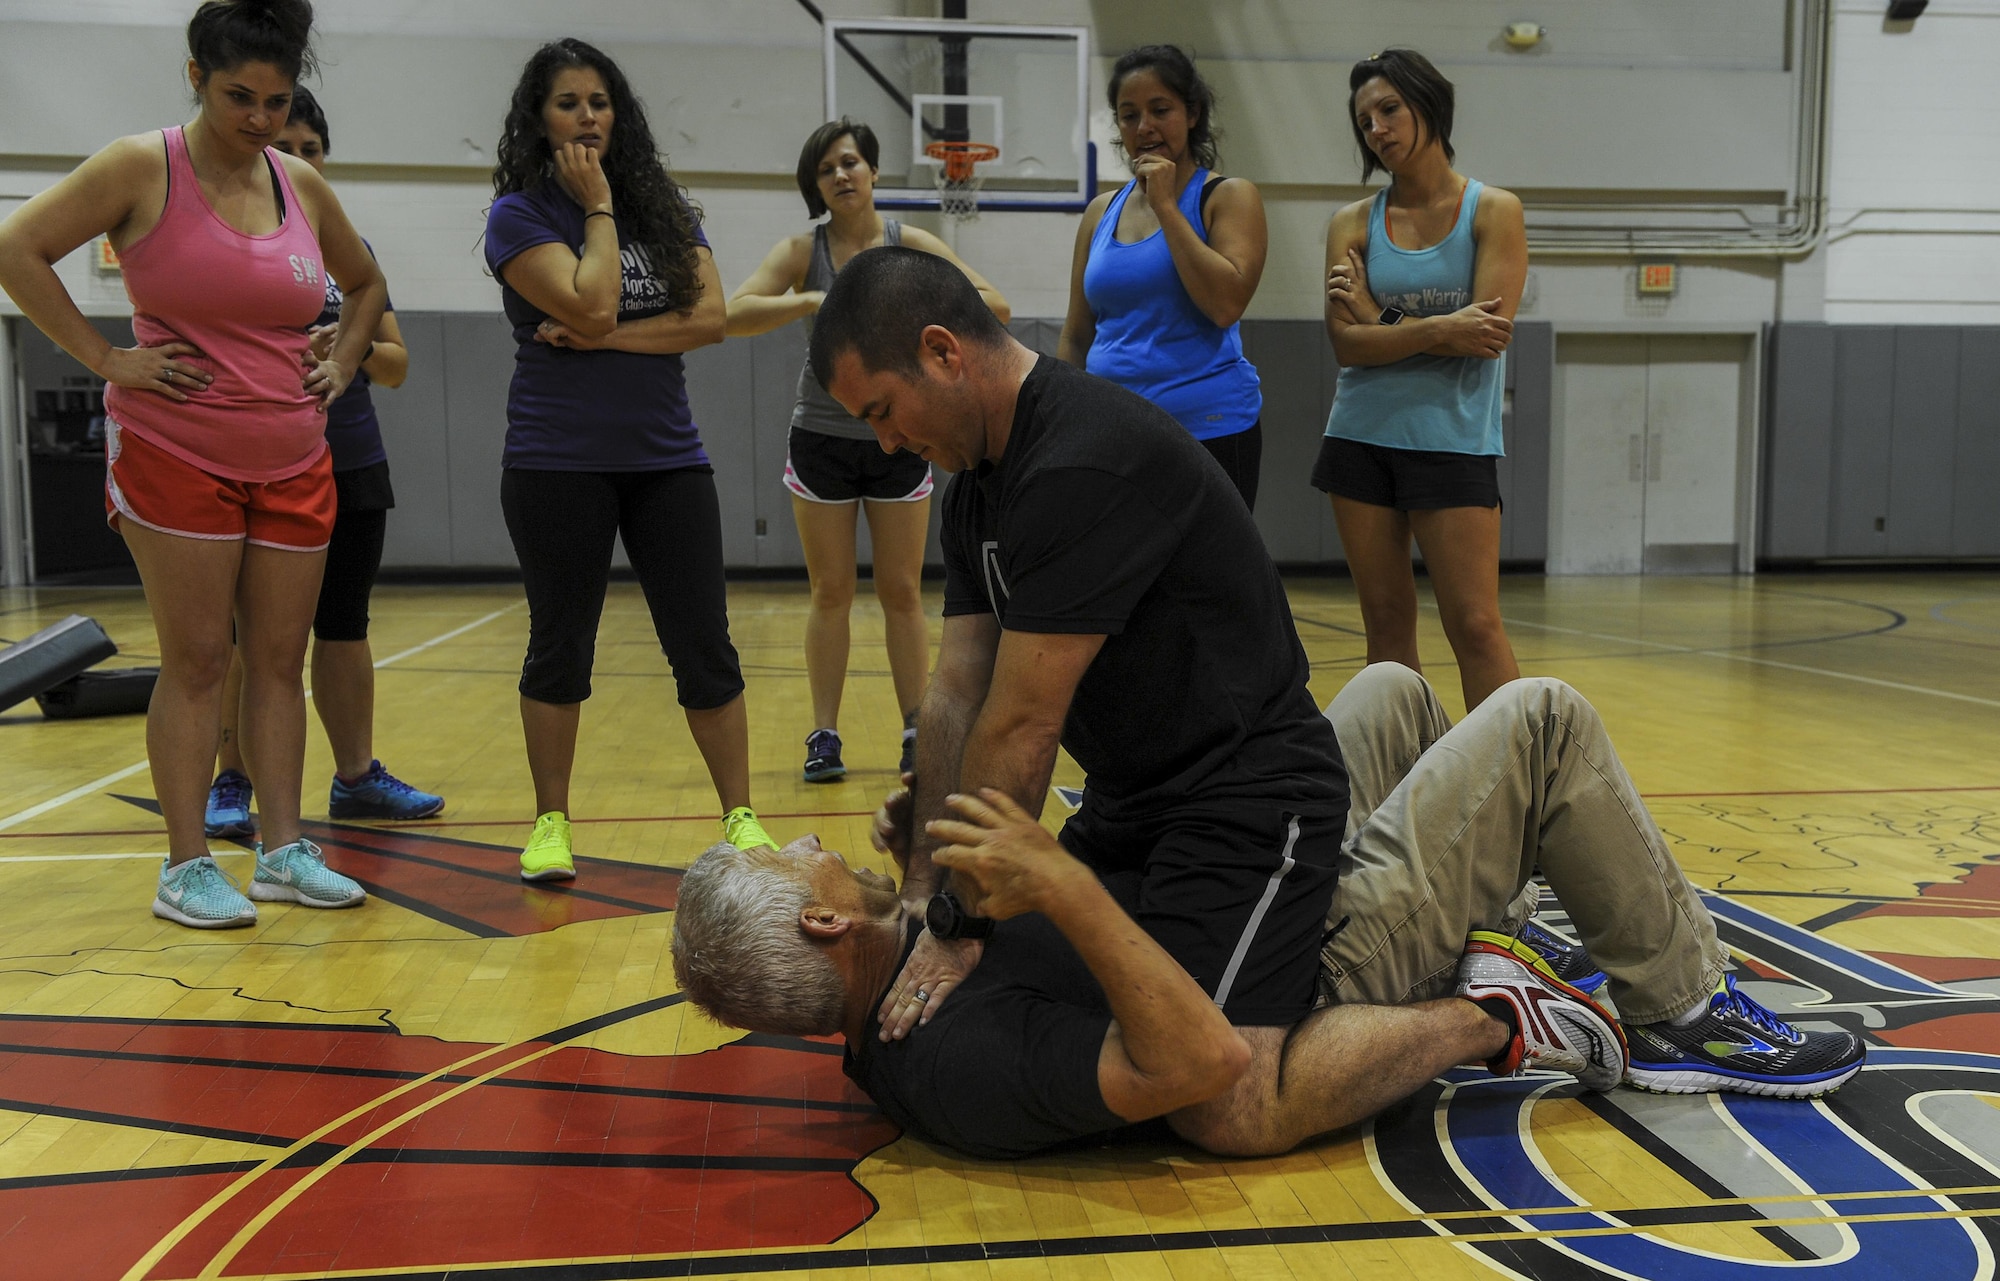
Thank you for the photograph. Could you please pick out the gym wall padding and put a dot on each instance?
(448, 481)
(1881, 442)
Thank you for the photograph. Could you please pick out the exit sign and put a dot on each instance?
(1656, 277)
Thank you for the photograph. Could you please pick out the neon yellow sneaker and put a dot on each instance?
(547, 856)
(741, 829)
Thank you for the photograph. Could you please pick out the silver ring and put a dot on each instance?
(923, 995)
(166, 375)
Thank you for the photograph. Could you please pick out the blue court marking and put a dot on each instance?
(1825, 951)
(1486, 1137)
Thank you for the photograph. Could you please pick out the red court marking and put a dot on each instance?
(1943, 969)
(479, 886)
(1974, 894)
(1974, 1033)
(764, 1149)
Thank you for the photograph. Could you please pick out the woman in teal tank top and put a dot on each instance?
(1422, 284)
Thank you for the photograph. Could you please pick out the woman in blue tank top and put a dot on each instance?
(834, 468)
(1165, 266)
(1422, 283)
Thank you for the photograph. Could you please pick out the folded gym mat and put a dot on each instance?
(50, 657)
(126, 691)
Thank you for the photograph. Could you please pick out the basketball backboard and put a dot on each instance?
(1024, 89)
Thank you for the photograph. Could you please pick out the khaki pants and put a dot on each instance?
(1448, 823)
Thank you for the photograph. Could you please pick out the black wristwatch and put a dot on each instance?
(1389, 316)
(946, 918)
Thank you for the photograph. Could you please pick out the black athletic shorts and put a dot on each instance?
(1409, 480)
(1238, 895)
(833, 469)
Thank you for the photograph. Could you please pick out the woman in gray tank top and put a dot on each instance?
(833, 465)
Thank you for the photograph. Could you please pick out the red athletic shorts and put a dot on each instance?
(145, 483)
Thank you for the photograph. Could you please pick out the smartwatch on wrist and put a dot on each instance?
(946, 918)
(1389, 316)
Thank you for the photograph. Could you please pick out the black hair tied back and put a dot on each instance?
(228, 33)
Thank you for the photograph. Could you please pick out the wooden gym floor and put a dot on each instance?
(473, 1078)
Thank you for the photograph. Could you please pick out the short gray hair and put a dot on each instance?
(740, 954)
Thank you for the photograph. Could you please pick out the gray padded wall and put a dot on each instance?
(446, 426)
(1798, 442)
(1882, 441)
(1975, 511)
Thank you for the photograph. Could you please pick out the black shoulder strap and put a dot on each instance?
(1207, 190)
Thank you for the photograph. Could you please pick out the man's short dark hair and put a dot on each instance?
(884, 299)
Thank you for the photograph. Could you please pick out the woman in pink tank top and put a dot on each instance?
(217, 471)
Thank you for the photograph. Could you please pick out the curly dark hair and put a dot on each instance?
(1176, 71)
(654, 211)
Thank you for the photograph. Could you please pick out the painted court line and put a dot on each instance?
(72, 858)
(1761, 662)
(78, 793)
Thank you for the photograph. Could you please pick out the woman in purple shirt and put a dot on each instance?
(607, 279)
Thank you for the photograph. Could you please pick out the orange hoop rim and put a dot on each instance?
(961, 158)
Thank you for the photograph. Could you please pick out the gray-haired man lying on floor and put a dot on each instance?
(1076, 1022)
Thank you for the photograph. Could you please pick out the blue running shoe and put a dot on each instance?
(380, 794)
(201, 895)
(228, 811)
(1739, 1045)
(823, 763)
(1569, 960)
(297, 873)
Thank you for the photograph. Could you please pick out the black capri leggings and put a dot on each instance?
(562, 524)
(1241, 455)
(353, 556)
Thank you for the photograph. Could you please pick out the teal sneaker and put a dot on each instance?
(297, 873)
(202, 896)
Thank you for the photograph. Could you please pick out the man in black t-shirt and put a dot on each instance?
(1106, 589)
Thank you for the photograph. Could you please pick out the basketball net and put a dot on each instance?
(958, 178)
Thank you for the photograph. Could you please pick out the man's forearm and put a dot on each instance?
(944, 720)
(1016, 756)
(1171, 1046)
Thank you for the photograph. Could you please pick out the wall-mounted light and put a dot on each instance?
(1526, 35)
(1906, 10)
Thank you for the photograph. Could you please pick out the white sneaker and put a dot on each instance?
(297, 873)
(1556, 1026)
(201, 895)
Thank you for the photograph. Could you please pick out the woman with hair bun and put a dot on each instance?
(1166, 265)
(343, 667)
(1421, 287)
(832, 463)
(217, 475)
(607, 279)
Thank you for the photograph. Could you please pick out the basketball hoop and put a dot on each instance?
(958, 177)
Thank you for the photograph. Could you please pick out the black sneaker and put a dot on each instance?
(823, 757)
(1569, 960)
(1739, 1045)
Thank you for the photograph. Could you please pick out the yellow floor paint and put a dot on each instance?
(1822, 749)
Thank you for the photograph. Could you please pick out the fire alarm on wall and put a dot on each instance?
(1524, 35)
(1656, 278)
